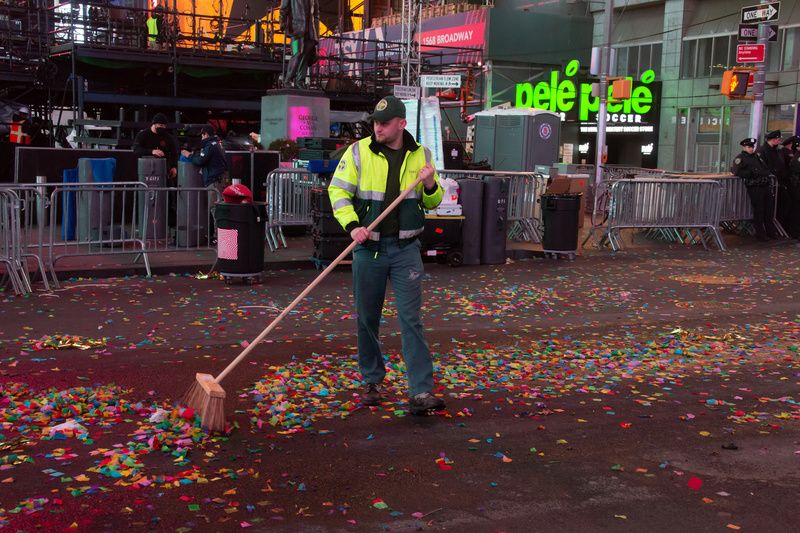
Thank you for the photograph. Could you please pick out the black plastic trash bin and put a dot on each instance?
(240, 239)
(561, 215)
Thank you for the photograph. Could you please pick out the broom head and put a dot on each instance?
(207, 398)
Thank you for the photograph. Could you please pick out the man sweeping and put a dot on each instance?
(369, 177)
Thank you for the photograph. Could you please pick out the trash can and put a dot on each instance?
(152, 171)
(95, 207)
(494, 219)
(240, 239)
(561, 214)
(192, 222)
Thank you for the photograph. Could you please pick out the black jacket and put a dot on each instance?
(146, 141)
(751, 168)
(794, 166)
(211, 158)
(300, 18)
(775, 161)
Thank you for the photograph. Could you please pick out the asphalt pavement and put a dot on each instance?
(653, 390)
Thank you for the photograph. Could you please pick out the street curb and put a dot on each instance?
(165, 270)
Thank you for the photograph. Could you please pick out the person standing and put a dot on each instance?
(749, 166)
(792, 149)
(771, 152)
(370, 175)
(155, 141)
(211, 159)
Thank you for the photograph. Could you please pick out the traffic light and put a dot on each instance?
(734, 82)
(621, 89)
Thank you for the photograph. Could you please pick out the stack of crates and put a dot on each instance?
(317, 147)
(329, 237)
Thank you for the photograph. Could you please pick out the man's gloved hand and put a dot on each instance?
(360, 234)
(427, 176)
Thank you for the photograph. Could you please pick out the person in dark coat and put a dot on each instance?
(155, 141)
(750, 166)
(772, 154)
(792, 148)
(211, 159)
(300, 21)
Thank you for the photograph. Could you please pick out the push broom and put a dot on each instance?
(206, 396)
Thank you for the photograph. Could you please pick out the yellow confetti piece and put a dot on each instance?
(621, 516)
(705, 434)
(561, 441)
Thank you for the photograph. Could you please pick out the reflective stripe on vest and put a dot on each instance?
(349, 187)
(357, 163)
(342, 202)
(409, 233)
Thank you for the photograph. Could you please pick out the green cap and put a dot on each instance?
(387, 109)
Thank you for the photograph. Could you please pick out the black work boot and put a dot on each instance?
(371, 395)
(425, 402)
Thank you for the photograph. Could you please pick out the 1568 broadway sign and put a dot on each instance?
(574, 100)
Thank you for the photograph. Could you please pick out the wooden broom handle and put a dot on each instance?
(314, 283)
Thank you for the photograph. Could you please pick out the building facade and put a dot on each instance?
(689, 44)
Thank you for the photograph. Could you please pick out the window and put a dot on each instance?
(704, 47)
(634, 60)
(719, 61)
(655, 58)
(781, 117)
(689, 59)
(622, 61)
(791, 50)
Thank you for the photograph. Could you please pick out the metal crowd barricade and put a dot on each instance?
(524, 192)
(184, 213)
(106, 221)
(10, 249)
(737, 211)
(288, 202)
(31, 211)
(679, 209)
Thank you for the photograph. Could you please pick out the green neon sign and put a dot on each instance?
(563, 95)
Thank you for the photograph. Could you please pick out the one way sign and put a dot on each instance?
(761, 13)
(748, 33)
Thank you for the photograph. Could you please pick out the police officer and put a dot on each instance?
(753, 170)
(772, 154)
(792, 151)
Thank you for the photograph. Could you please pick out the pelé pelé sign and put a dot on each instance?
(570, 98)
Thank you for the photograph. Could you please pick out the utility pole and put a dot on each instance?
(757, 114)
(605, 66)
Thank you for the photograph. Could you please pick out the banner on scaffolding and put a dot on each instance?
(458, 39)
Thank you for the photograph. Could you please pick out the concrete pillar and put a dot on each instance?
(677, 14)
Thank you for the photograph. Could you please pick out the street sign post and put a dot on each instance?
(761, 13)
(406, 92)
(750, 53)
(441, 81)
(748, 33)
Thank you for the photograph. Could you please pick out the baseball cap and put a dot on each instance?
(159, 118)
(387, 109)
(774, 135)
